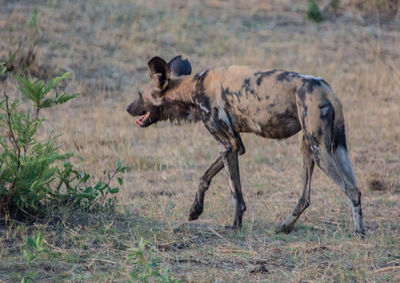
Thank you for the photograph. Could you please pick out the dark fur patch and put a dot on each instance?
(199, 79)
(308, 87)
(261, 75)
(329, 118)
(248, 88)
(311, 83)
(237, 121)
(217, 129)
(200, 76)
(200, 96)
(302, 93)
(286, 117)
(320, 132)
(216, 119)
(179, 111)
(339, 138)
(303, 118)
(285, 76)
(225, 92)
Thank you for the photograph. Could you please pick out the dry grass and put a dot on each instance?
(107, 46)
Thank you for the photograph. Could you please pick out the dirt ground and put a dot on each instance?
(106, 45)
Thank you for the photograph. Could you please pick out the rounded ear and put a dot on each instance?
(180, 67)
(159, 72)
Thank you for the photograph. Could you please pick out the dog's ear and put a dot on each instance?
(179, 66)
(159, 72)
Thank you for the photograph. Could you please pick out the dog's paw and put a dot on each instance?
(283, 228)
(195, 211)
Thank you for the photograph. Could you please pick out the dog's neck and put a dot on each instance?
(179, 102)
(181, 89)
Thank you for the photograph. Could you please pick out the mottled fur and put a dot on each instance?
(272, 104)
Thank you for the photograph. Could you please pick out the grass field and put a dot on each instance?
(106, 46)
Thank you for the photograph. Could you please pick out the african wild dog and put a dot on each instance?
(273, 104)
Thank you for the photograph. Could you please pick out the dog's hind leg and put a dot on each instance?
(325, 131)
(205, 180)
(339, 169)
(304, 201)
(350, 186)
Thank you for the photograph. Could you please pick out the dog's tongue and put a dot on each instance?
(142, 118)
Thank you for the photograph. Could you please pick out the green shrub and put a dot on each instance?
(313, 12)
(28, 166)
(31, 174)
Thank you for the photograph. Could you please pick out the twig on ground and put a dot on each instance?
(237, 251)
(105, 260)
(190, 260)
(386, 268)
(215, 233)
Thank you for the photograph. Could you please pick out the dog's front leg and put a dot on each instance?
(231, 162)
(212, 170)
(219, 125)
(205, 180)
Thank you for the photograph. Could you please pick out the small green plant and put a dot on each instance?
(146, 266)
(31, 174)
(33, 247)
(313, 12)
(79, 193)
(27, 165)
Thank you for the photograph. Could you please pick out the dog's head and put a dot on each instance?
(149, 105)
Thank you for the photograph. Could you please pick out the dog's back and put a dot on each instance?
(267, 103)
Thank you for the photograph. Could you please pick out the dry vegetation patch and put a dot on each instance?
(106, 46)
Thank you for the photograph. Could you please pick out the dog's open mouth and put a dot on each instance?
(144, 120)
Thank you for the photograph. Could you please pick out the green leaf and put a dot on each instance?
(55, 81)
(29, 256)
(114, 190)
(31, 243)
(65, 97)
(85, 178)
(120, 180)
(3, 68)
(47, 102)
(100, 186)
(39, 241)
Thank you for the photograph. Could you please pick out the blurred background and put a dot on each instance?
(354, 45)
